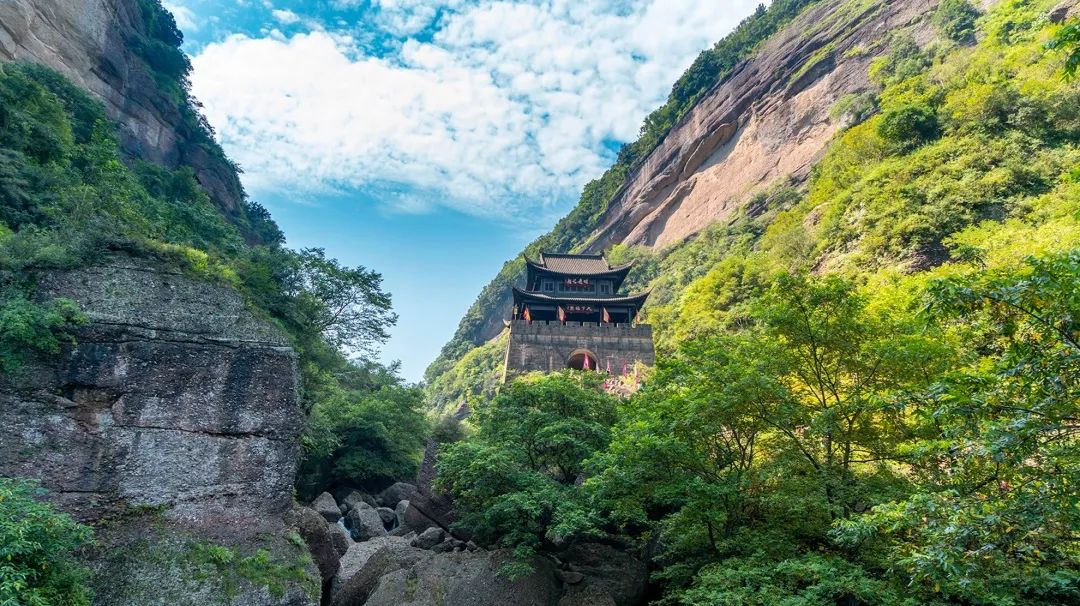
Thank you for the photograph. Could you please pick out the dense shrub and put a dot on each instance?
(908, 127)
(904, 60)
(37, 565)
(855, 108)
(955, 19)
(367, 429)
(28, 328)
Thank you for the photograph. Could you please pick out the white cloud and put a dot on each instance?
(285, 17)
(185, 18)
(504, 111)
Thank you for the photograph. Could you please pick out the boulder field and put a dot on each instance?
(414, 559)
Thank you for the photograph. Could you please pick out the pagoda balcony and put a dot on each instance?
(576, 326)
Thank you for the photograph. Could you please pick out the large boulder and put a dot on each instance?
(340, 537)
(364, 563)
(354, 497)
(389, 517)
(355, 589)
(327, 507)
(410, 517)
(315, 531)
(419, 509)
(364, 522)
(399, 491)
(429, 538)
(606, 568)
(466, 579)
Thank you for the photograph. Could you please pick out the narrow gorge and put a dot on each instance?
(836, 278)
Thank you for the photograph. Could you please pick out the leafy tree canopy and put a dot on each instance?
(37, 565)
(516, 479)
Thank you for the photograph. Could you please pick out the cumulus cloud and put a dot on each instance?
(506, 109)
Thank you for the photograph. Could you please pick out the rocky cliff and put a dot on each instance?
(93, 42)
(173, 425)
(770, 119)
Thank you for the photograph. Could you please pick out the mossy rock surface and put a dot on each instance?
(149, 562)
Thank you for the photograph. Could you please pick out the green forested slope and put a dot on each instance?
(866, 392)
(917, 241)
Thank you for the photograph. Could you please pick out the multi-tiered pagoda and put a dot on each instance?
(570, 314)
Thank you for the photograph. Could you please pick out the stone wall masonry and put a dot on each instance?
(547, 346)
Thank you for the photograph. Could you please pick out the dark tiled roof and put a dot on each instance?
(633, 299)
(581, 265)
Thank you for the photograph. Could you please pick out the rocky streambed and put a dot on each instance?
(397, 549)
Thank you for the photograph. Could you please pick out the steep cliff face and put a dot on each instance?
(92, 42)
(173, 422)
(769, 120)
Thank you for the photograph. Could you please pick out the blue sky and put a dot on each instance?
(431, 140)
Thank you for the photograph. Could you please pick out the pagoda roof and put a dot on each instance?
(636, 300)
(576, 265)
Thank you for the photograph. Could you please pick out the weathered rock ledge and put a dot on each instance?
(174, 421)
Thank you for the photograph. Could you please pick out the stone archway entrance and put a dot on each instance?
(582, 359)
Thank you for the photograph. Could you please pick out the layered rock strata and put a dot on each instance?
(770, 119)
(173, 423)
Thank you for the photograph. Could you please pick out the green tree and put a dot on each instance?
(37, 565)
(345, 306)
(516, 479)
(685, 459)
(748, 446)
(838, 363)
(955, 19)
(995, 518)
(366, 429)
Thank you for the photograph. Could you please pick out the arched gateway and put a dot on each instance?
(582, 359)
(570, 315)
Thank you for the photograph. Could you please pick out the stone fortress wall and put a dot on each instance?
(548, 346)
